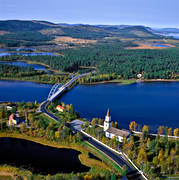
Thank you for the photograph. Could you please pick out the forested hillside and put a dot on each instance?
(16, 33)
(113, 58)
(108, 53)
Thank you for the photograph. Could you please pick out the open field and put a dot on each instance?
(67, 39)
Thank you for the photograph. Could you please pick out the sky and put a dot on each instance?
(153, 13)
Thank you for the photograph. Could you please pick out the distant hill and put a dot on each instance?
(17, 25)
(76, 30)
(34, 33)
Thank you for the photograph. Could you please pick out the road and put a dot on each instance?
(116, 158)
(44, 110)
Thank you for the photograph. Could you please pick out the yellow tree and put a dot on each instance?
(142, 157)
(57, 134)
(148, 142)
(133, 126)
(103, 140)
(116, 124)
(160, 155)
(176, 132)
(145, 129)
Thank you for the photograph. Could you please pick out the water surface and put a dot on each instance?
(152, 104)
(38, 158)
(24, 64)
(15, 91)
(161, 45)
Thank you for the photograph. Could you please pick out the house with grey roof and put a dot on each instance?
(111, 132)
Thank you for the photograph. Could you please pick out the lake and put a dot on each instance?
(28, 54)
(24, 64)
(19, 90)
(152, 104)
(161, 45)
(39, 158)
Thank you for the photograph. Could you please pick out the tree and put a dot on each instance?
(176, 132)
(160, 155)
(14, 109)
(22, 127)
(145, 130)
(57, 134)
(133, 126)
(94, 121)
(160, 130)
(169, 131)
(148, 142)
(116, 124)
(103, 139)
(155, 161)
(78, 137)
(142, 157)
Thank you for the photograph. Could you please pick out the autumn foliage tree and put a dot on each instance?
(176, 132)
(133, 126)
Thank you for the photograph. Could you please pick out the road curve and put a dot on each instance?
(43, 108)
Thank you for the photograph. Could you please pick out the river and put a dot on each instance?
(152, 104)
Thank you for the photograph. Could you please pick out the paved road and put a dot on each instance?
(44, 110)
(118, 159)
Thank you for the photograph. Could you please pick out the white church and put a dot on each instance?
(111, 132)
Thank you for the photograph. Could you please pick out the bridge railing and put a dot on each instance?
(53, 93)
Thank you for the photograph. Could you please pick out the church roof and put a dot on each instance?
(118, 132)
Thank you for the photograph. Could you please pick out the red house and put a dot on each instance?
(60, 108)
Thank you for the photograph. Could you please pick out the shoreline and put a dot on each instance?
(83, 156)
(115, 81)
(16, 79)
(160, 80)
(38, 63)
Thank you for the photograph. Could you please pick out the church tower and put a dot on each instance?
(107, 121)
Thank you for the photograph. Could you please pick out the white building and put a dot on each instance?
(111, 132)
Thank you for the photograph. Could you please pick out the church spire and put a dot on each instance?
(108, 113)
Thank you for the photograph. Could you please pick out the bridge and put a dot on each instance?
(57, 89)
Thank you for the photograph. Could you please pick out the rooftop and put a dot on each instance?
(118, 132)
(76, 124)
